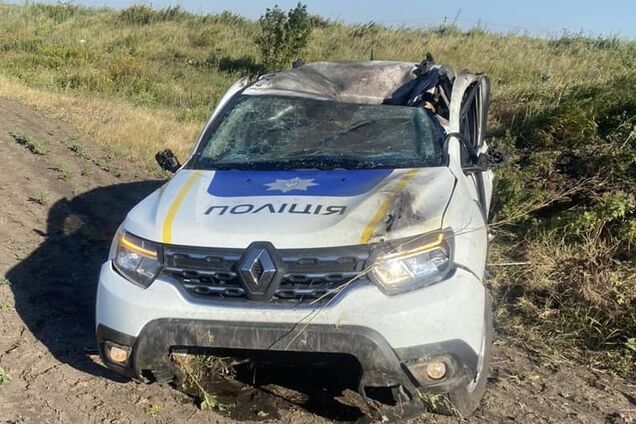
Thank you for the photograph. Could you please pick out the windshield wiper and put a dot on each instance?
(311, 161)
(322, 160)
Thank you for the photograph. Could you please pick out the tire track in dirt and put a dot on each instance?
(51, 252)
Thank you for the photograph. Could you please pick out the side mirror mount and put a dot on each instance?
(167, 161)
(479, 162)
(493, 158)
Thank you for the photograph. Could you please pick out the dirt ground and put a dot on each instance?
(58, 212)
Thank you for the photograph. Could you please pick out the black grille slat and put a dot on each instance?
(311, 275)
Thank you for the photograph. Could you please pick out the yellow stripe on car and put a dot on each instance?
(379, 214)
(176, 203)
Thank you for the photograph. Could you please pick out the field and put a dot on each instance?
(563, 264)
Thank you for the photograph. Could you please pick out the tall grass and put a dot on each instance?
(141, 79)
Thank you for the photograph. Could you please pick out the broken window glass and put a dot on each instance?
(285, 132)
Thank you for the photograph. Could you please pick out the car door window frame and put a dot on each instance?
(470, 126)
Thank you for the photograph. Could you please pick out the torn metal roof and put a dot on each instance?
(370, 82)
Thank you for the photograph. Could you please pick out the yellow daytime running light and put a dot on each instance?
(417, 250)
(137, 249)
(416, 266)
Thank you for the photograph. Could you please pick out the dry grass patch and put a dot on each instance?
(133, 132)
(573, 297)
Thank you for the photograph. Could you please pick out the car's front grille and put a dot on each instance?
(308, 275)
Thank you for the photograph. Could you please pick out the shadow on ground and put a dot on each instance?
(55, 286)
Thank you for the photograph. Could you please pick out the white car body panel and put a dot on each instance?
(464, 216)
(449, 310)
(196, 224)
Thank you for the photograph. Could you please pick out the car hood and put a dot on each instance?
(293, 209)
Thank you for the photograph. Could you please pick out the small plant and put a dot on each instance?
(31, 143)
(209, 401)
(65, 173)
(4, 281)
(5, 305)
(153, 410)
(78, 149)
(438, 403)
(200, 368)
(42, 197)
(283, 35)
(4, 377)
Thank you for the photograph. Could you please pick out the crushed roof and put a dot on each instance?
(369, 82)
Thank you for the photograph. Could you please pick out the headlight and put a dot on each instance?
(138, 260)
(406, 265)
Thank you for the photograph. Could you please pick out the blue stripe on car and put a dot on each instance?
(296, 183)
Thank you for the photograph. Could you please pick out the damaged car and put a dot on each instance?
(336, 208)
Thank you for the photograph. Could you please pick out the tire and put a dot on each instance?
(465, 399)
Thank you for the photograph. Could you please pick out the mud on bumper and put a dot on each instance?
(381, 365)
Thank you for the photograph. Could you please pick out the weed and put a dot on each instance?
(208, 401)
(42, 197)
(4, 282)
(78, 149)
(438, 403)
(5, 305)
(154, 410)
(4, 377)
(65, 173)
(31, 143)
(199, 369)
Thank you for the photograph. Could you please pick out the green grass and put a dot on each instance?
(177, 60)
(78, 149)
(154, 410)
(31, 143)
(564, 108)
(4, 377)
(42, 197)
(65, 173)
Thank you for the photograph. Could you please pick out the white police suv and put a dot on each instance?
(336, 208)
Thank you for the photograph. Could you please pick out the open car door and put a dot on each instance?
(468, 123)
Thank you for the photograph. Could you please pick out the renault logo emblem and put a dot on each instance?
(257, 270)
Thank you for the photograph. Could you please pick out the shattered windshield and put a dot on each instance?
(281, 132)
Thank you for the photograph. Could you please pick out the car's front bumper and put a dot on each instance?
(381, 365)
(386, 334)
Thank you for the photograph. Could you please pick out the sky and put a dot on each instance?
(536, 17)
